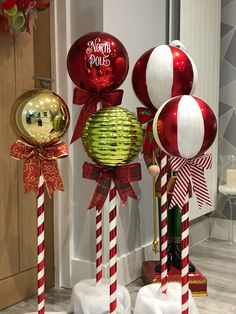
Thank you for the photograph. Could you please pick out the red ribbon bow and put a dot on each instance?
(146, 115)
(90, 101)
(122, 176)
(195, 168)
(40, 160)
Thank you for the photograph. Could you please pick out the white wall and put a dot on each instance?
(140, 25)
(200, 33)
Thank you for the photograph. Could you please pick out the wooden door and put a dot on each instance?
(18, 238)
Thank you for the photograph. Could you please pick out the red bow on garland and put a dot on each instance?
(122, 177)
(187, 168)
(146, 115)
(90, 101)
(40, 160)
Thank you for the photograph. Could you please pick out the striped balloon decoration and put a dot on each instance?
(185, 126)
(162, 73)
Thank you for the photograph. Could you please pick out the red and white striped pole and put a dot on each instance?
(163, 174)
(98, 246)
(40, 229)
(185, 259)
(113, 248)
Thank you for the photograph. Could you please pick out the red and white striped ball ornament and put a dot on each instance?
(185, 126)
(162, 73)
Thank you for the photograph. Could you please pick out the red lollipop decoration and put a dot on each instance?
(185, 127)
(98, 62)
(163, 72)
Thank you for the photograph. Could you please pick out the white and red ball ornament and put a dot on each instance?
(185, 126)
(162, 73)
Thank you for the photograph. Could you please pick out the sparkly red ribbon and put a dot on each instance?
(187, 168)
(40, 160)
(122, 177)
(89, 100)
(146, 115)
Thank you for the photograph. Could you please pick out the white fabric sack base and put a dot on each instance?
(90, 298)
(150, 300)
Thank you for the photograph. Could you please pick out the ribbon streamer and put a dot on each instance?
(187, 168)
(122, 177)
(40, 160)
(146, 115)
(89, 100)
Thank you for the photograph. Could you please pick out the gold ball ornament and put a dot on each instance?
(40, 116)
(112, 136)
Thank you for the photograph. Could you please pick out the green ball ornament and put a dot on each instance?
(112, 136)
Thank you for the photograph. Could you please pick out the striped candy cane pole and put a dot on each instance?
(185, 259)
(98, 245)
(113, 248)
(163, 222)
(41, 278)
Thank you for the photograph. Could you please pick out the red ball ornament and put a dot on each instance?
(23, 5)
(162, 73)
(185, 126)
(98, 62)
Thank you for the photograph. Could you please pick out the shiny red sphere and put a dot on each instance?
(98, 62)
(161, 73)
(23, 5)
(139, 79)
(185, 126)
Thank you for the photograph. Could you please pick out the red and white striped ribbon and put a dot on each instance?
(193, 167)
(98, 245)
(113, 248)
(163, 174)
(185, 259)
(40, 229)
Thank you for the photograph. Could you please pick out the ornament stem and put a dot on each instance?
(113, 248)
(40, 224)
(98, 245)
(185, 258)
(163, 222)
(155, 241)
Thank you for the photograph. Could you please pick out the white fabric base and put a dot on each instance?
(89, 298)
(150, 300)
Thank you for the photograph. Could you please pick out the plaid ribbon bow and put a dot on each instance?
(195, 168)
(122, 177)
(146, 115)
(40, 160)
(89, 101)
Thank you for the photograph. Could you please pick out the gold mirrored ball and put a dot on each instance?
(40, 116)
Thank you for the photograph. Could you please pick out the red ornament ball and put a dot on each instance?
(98, 62)
(23, 5)
(185, 126)
(162, 73)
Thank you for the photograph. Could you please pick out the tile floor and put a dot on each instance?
(216, 259)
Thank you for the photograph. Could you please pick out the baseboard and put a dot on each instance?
(220, 228)
(129, 266)
(199, 230)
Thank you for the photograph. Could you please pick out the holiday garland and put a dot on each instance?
(15, 15)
